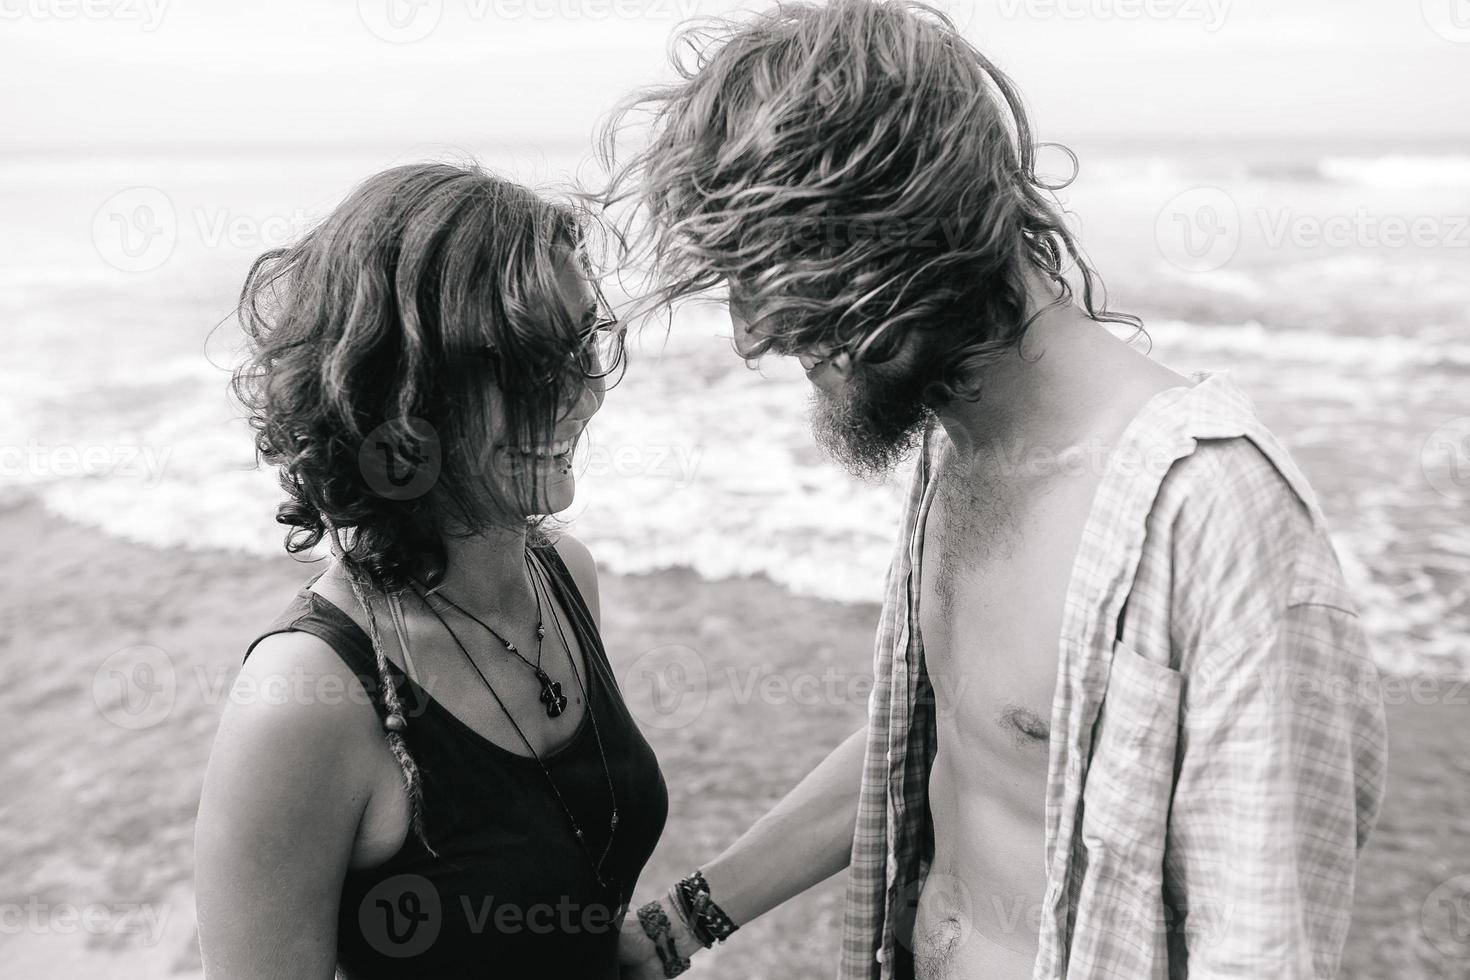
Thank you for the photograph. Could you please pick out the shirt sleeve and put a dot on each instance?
(1280, 766)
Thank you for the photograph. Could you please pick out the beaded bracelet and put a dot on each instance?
(706, 920)
(659, 930)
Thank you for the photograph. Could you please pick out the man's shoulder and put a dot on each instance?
(1234, 480)
(1237, 520)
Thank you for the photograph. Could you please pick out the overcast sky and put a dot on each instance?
(285, 72)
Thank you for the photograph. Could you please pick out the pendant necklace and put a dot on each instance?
(552, 698)
(606, 883)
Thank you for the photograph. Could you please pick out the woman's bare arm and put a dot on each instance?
(288, 781)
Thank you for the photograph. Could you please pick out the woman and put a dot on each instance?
(426, 768)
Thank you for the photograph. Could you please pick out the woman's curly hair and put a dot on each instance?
(857, 170)
(366, 380)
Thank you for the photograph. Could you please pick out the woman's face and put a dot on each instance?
(549, 464)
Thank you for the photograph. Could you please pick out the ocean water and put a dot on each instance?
(1329, 281)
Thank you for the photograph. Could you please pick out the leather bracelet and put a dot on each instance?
(707, 921)
(680, 908)
(659, 930)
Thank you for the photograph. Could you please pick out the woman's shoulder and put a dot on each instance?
(583, 569)
(327, 609)
(306, 681)
(576, 556)
(299, 685)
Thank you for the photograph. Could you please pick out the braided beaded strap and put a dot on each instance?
(705, 919)
(659, 930)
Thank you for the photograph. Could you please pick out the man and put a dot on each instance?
(1124, 721)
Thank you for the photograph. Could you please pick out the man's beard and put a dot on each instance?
(875, 421)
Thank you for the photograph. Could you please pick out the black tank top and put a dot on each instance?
(510, 894)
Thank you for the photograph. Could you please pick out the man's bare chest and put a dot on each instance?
(994, 573)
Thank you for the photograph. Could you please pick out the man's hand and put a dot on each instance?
(806, 838)
(637, 959)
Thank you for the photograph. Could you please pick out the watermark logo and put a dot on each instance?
(401, 916)
(1445, 459)
(401, 459)
(135, 687)
(138, 229)
(135, 230)
(1450, 19)
(1207, 681)
(1445, 918)
(668, 687)
(1199, 229)
(961, 13)
(400, 21)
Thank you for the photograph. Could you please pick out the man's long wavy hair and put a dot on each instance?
(366, 343)
(857, 171)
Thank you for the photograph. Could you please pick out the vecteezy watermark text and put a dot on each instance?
(147, 13)
(141, 462)
(1209, 13)
(36, 917)
(1200, 229)
(408, 21)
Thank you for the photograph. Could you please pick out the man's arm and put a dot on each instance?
(1280, 766)
(804, 839)
(1279, 783)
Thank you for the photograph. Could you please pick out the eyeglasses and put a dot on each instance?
(600, 352)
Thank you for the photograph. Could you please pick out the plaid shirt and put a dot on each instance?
(1217, 744)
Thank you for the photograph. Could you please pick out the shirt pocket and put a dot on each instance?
(1130, 777)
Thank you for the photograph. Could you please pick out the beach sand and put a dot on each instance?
(100, 794)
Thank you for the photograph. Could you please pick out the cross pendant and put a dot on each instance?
(551, 696)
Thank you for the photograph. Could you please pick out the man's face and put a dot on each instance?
(866, 416)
